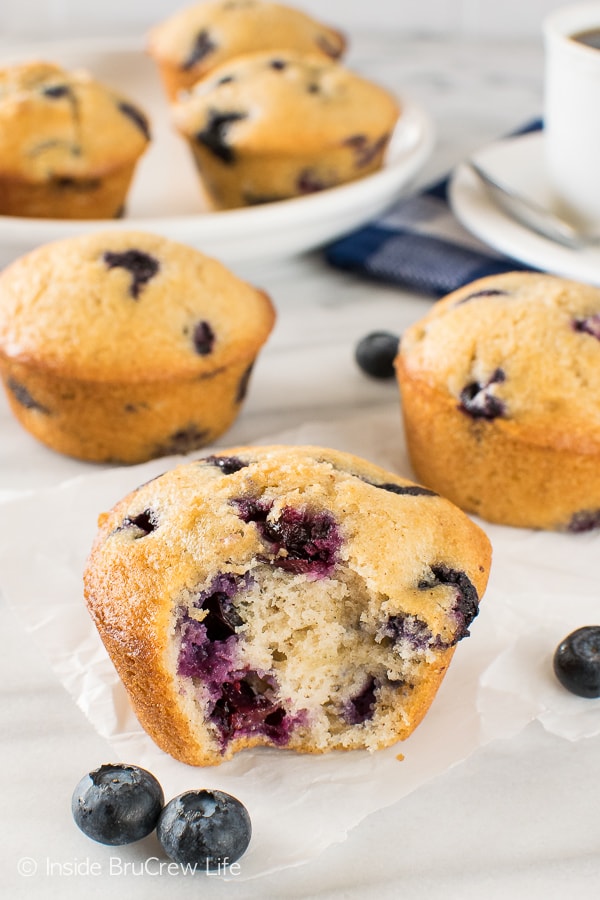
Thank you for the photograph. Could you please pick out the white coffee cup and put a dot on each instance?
(572, 111)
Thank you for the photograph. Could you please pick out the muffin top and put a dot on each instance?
(301, 511)
(128, 306)
(520, 349)
(200, 37)
(285, 103)
(59, 124)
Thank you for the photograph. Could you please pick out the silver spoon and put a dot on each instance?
(532, 214)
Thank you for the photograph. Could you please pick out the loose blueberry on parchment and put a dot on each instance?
(205, 828)
(577, 661)
(117, 804)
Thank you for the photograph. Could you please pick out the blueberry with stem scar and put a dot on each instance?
(205, 828)
(117, 804)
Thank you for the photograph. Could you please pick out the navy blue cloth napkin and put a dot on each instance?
(418, 243)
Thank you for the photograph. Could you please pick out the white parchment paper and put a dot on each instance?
(542, 586)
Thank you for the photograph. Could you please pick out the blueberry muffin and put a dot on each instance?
(122, 346)
(500, 388)
(267, 127)
(68, 145)
(188, 45)
(293, 597)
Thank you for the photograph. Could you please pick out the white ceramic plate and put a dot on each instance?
(518, 162)
(166, 198)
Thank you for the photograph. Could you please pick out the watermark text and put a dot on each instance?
(116, 866)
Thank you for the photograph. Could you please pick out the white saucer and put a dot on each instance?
(165, 197)
(519, 162)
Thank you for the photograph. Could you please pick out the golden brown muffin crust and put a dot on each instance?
(500, 385)
(196, 39)
(60, 124)
(121, 346)
(288, 104)
(69, 308)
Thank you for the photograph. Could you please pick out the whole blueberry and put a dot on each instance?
(376, 352)
(577, 661)
(205, 828)
(117, 804)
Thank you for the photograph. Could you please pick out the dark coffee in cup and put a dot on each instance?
(590, 38)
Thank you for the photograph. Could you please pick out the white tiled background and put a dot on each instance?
(502, 18)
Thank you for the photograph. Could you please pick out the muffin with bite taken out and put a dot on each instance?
(298, 598)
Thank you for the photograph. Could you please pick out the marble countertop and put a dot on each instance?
(518, 817)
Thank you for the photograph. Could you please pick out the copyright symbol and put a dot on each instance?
(27, 866)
